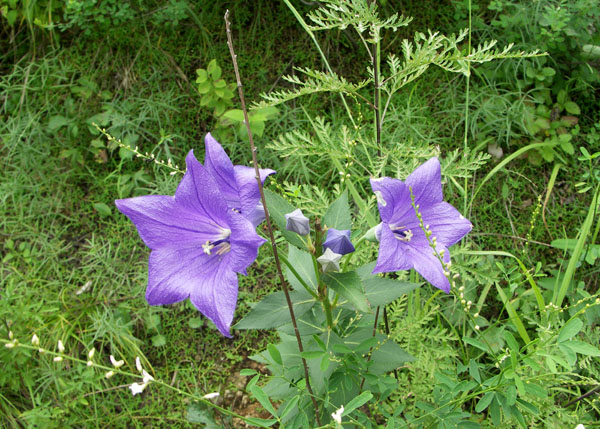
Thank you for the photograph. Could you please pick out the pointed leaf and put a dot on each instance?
(380, 290)
(349, 286)
(273, 310)
(571, 328)
(338, 214)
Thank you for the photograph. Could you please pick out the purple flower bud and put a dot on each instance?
(297, 222)
(338, 241)
(329, 261)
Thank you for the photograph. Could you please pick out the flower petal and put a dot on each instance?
(394, 255)
(247, 187)
(426, 183)
(175, 274)
(244, 242)
(220, 167)
(429, 266)
(217, 298)
(161, 222)
(199, 193)
(446, 223)
(393, 199)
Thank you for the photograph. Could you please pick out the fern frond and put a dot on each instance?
(315, 81)
(359, 14)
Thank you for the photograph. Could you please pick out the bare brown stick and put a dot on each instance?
(268, 218)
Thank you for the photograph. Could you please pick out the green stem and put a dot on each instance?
(298, 276)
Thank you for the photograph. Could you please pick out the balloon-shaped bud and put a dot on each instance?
(329, 261)
(297, 222)
(338, 241)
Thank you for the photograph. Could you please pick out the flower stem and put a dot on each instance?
(267, 217)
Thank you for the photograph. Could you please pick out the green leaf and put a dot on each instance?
(476, 343)
(278, 208)
(234, 115)
(510, 340)
(582, 348)
(381, 290)
(273, 311)
(159, 340)
(484, 402)
(57, 122)
(262, 397)
(349, 286)
(102, 209)
(312, 354)
(474, 370)
(388, 357)
(289, 406)
(202, 75)
(204, 87)
(200, 413)
(263, 423)
(195, 323)
(338, 214)
(274, 353)
(569, 330)
(572, 108)
(257, 127)
(357, 402)
(303, 264)
(247, 372)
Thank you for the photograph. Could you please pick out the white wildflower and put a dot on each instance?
(146, 377)
(137, 388)
(58, 358)
(61, 346)
(109, 374)
(116, 363)
(337, 416)
(211, 395)
(138, 363)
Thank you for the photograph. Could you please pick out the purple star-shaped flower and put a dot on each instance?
(403, 244)
(236, 183)
(198, 243)
(338, 241)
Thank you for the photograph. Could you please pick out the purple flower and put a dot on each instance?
(403, 244)
(237, 184)
(198, 243)
(338, 241)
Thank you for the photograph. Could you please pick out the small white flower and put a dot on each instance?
(146, 377)
(211, 395)
(116, 363)
(90, 363)
(61, 346)
(84, 288)
(109, 374)
(91, 353)
(10, 345)
(137, 388)
(337, 416)
(35, 340)
(138, 363)
(58, 358)
(580, 426)
(11, 335)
